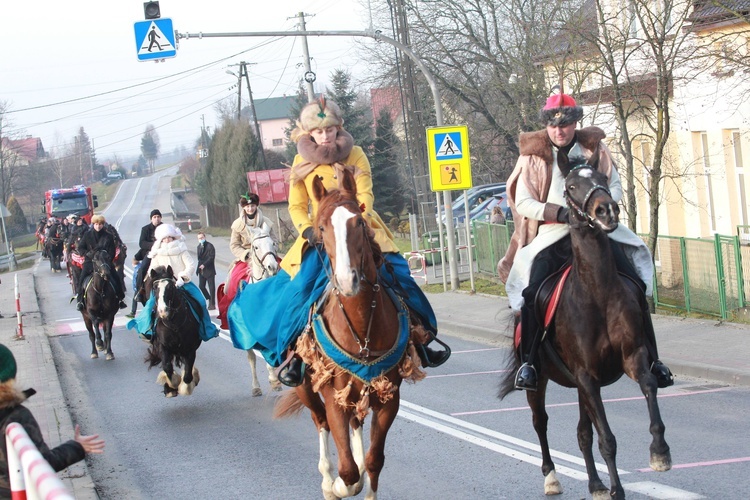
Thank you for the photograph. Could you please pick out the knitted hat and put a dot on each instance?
(98, 219)
(166, 230)
(155, 212)
(7, 364)
(560, 110)
(249, 199)
(320, 114)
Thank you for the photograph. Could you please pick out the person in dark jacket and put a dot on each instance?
(145, 243)
(12, 410)
(206, 270)
(98, 238)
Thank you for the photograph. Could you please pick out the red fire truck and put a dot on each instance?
(78, 200)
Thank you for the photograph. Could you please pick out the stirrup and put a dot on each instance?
(282, 371)
(528, 381)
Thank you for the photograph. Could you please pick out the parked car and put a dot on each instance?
(477, 196)
(115, 175)
(483, 211)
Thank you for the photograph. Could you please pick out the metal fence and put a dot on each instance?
(691, 274)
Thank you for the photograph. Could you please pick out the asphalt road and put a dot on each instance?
(453, 438)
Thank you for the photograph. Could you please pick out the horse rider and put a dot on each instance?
(121, 253)
(145, 242)
(169, 249)
(98, 238)
(540, 244)
(324, 149)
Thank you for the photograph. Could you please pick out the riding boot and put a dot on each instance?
(79, 304)
(663, 374)
(292, 371)
(526, 378)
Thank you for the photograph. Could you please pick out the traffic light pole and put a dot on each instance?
(375, 35)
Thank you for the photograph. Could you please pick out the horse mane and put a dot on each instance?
(343, 197)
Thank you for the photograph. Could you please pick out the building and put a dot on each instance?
(274, 116)
(22, 152)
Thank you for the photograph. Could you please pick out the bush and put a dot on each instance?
(394, 223)
(404, 228)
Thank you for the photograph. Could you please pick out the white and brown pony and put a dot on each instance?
(264, 263)
(357, 350)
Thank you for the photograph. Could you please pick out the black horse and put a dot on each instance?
(73, 259)
(101, 305)
(176, 335)
(53, 246)
(596, 337)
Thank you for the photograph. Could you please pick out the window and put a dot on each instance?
(277, 143)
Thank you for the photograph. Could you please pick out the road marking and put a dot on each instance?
(656, 490)
(704, 464)
(614, 400)
(465, 374)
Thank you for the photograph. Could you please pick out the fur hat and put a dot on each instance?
(320, 114)
(7, 364)
(560, 110)
(155, 212)
(98, 219)
(166, 230)
(249, 199)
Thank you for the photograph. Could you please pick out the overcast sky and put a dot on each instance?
(55, 51)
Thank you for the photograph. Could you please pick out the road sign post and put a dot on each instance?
(155, 39)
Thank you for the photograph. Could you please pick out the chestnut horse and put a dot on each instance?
(597, 336)
(358, 326)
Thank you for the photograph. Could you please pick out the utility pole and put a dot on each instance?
(306, 55)
(91, 161)
(243, 69)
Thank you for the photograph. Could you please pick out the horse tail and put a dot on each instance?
(153, 355)
(508, 382)
(288, 405)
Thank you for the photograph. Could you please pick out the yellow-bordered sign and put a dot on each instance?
(450, 165)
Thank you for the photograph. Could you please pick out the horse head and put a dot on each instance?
(588, 197)
(102, 264)
(263, 254)
(163, 284)
(347, 239)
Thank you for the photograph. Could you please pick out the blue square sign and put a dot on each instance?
(155, 39)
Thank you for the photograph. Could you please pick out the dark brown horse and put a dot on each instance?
(73, 259)
(101, 305)
(53, 246)
(359, 318)
(176, 336)
(598, 336)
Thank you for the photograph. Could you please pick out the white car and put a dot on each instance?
(115, 175)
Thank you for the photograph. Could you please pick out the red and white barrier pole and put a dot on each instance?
(26, 465)
(190, 225)
(19, 330)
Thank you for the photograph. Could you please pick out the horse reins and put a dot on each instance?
(260, 260)
(581, 210)
(169, 304)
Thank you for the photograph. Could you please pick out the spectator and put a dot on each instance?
(12, 410)
(145, 243)
(206, 270)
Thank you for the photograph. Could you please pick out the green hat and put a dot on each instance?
(7, 364)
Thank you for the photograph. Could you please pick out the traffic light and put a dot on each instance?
(151, 10)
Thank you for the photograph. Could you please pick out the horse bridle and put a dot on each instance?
(259, 260)
(581, 210)
(364, 350)
(169, 304)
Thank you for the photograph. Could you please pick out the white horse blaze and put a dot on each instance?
(343, 273)
(161, 302)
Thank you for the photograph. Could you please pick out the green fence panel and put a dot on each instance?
(491, 242)
(669, 287)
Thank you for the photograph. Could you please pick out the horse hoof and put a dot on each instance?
(601, 495)
(94, 355)
(660, 463)
(342, 490)
(257, 392)
(99, 345)
(170, 394)
(278, 387)
(110, 357)
(551, 484)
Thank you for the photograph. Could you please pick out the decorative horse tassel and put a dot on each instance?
(384, 388)
(341, 397)
(363, 405)
(322, 373)
(306, 348)
(410, 368)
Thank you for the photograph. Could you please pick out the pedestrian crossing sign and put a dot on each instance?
(450, 165)
(155, 39)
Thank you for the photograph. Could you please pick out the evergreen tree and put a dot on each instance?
(17, 220)
(150, 146)
(355, 115)
(294, 112)
(388, 183)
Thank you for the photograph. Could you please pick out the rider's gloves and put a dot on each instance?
(563, 214)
